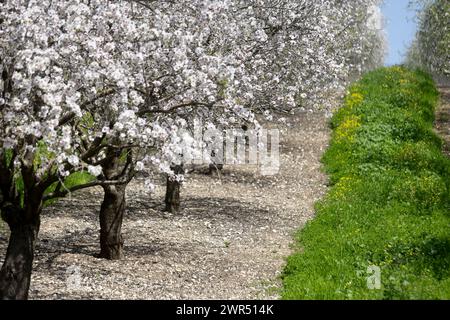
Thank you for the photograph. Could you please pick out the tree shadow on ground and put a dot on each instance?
(213, 208)
(48, 250)
(85, 241)
(140, 207)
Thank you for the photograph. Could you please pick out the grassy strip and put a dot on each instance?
(389, 204)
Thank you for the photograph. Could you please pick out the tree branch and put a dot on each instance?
(70, 115)
(61, 194)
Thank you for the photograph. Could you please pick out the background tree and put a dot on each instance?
(430, 50)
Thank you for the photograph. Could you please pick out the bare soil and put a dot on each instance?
(442, 123)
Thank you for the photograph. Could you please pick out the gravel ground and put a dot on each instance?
(229, 242)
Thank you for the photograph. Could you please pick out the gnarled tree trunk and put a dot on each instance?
(15, 274)
(112, 210)
(111, 217)
(172, 199)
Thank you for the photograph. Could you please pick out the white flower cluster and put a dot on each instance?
(84, 75)
(431, 48)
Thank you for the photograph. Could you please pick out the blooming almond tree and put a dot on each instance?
(68, 102)
(84, 85)
(430, 49)
(288, 55)
(303, 49)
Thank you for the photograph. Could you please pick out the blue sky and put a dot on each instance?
(400, 28)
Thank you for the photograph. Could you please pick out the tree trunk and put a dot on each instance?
(172, 199)
(15, 274)
(111, 217)
(215, 168)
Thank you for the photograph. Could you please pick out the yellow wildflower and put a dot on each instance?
(354, 99)
(346, 130)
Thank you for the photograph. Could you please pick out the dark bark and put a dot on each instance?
(215, 168)
(111, 217)
(113, 208)
(172, 199)
(15, 274)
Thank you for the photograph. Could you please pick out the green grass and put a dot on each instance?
(389, 203)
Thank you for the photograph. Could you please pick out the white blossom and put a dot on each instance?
(95, 170)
